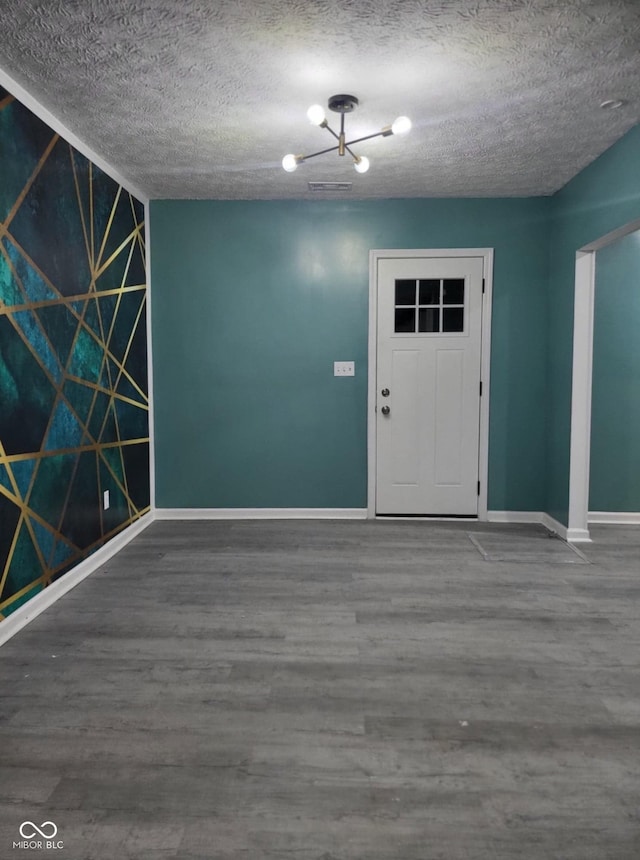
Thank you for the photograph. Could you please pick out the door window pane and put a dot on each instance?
(429, 319)
(430, 291)
(453, 292)
(405, 292)
(405, 320)
(453, 319)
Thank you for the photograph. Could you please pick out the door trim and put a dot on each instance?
(485, 362)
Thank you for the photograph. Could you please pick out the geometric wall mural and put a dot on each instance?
(74, 407)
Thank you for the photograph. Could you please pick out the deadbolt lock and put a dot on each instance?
(385, 392)
(385, 410)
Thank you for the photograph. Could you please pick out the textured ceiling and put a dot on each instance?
(202, 98)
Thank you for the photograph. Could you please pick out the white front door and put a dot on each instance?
(429, 312)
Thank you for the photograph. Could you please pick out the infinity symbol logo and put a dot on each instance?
(47, 830)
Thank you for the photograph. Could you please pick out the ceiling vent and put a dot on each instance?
(330, 186)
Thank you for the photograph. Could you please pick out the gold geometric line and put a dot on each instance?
(20, 503)
(26, 510)
(68, 300)
(100, 501)
(133, 212)
(124, 471)
(108, 354)
(84, 428)
(80, 318)
(54, 408)
(127, 266)
(116, 479)
(45, 579)
(95, 387)
(58, 452)
(12, 549)
(31, 530)
(127, 495)
(134, 329)
(101, 540)
(80, 208)
(30, 512)
(108, 227)
(67, 495)
(93, 238)
(12, 477)
(20, 198)
(58, 388)
(15, 498)
(83, 326)
(23, 591)
(129, 240)
(6, 101)
(4, 232)
(105, 363)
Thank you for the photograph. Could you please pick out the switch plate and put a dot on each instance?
(344, 368)
(105, 500)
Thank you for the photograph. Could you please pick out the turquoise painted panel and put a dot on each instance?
(254, 300)
(614, 483)
(602, 198)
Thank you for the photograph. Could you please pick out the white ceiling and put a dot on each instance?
(202, 98)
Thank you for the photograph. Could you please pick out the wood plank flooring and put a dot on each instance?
(331, 691)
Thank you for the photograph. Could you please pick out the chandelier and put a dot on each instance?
(343, 104)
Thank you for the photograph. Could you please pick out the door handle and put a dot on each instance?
(385, 410)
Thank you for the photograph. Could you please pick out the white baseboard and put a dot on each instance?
(260, 513)
(514, 516)
(554, 526)
(48, 596)
(539, 517)
(619, 518)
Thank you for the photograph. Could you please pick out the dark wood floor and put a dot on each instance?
(332, 691)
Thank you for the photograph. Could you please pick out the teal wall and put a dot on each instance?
(615, 417)
(602, 198)
(254, 300)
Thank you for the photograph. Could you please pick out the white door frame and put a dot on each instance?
(582, 377)
(485, 362)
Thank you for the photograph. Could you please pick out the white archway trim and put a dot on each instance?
(580, 452)
(578, 529)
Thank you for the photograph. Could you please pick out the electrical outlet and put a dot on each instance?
(344, 368)
(105, 500)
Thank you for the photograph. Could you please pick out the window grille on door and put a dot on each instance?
(429, 305)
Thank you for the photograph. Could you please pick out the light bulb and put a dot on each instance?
(362, 164)
(290, 163)
(315, 114)
(402, 125)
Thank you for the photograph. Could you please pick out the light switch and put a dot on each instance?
(344, 368)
